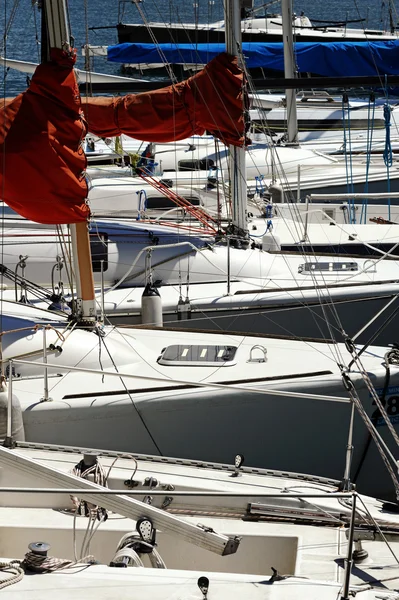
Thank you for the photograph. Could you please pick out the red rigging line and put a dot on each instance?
(197, 213)
(180, 226)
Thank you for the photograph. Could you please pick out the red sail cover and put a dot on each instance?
(41, 159)
(210, 101)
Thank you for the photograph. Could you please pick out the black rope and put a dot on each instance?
(374, 421)
(35, 289)
(102, 341)
(374, 336)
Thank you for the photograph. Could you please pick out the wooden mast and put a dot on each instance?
(56, 34)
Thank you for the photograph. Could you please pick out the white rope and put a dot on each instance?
(92, 511)
(97, 472)
(125, 548)
(156, 560)
(15, 571)
(130, 554)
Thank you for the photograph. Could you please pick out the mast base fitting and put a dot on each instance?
(8, 442)
(346, 486)
(360, 555)
(85, 323)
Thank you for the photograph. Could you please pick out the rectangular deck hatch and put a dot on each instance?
(197, 355)
(328, 267)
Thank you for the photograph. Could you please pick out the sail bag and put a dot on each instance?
(42, 163)
(212, 101)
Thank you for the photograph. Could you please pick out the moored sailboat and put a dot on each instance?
(115, 414)
(141, 513)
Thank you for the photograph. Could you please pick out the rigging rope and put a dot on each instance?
(41, 563)
(392, 356)
(374, 421)
(14, 569)
(387, 154)
(388, 158)
(130, 545)
(369, 145)
(180, 201)
(371, 429)
(9, 23)
(97, 474)
(348, 155)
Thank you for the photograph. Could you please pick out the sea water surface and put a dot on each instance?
(20, 24)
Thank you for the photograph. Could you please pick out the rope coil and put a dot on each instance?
(129, 548)
(14, 569)
(41, 563)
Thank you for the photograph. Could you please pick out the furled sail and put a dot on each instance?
(212, 100)
(42, 163)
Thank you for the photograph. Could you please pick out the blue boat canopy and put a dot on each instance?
(339, 59)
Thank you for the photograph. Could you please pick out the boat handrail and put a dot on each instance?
(207, 384)
(354, 196)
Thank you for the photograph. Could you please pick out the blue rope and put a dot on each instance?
(269, 211)
(260, 185)
(252, 235)
(348, 157)
(269, 227)
(369, 145)
(388, 159)
(388, 148)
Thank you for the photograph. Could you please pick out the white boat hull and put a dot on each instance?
(254, 410)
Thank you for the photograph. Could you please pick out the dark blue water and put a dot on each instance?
(23, 32)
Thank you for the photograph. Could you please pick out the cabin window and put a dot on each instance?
(198, 355)
(99, 251)
(196, 165)
(328, 267)
(327, 214)
(162, 202)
